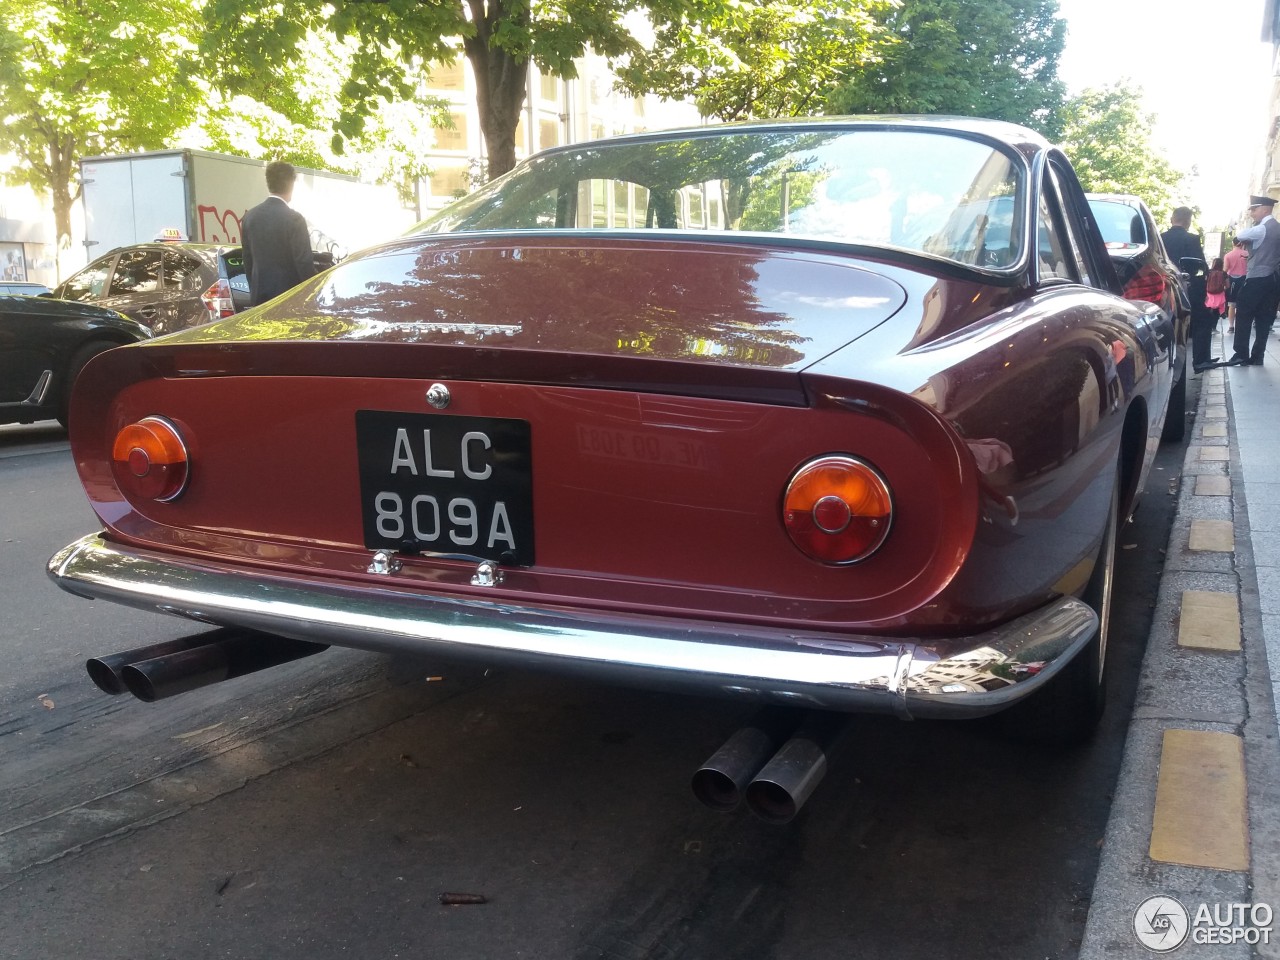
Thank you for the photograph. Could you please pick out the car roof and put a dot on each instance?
(1127, 199)
(208, 250)
(1011, 134)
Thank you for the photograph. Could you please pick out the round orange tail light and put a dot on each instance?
(837, 509)
(150, 459)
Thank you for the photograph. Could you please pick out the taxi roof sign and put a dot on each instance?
(170, 235)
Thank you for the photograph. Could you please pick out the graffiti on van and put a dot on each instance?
(218, 226)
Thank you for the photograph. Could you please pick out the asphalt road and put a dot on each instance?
(318, 810)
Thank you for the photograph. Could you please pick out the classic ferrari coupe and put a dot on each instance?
(835, 415)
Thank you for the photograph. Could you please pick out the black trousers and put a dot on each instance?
(1255, 313)
(1203, 322)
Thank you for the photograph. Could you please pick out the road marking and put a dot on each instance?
(1211, 454)
(1200, 801)
(1208, 485)
(1215, 411)
(1214, 430)
(1212, 535)
(1209, 621)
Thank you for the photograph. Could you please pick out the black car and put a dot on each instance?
(44, 343)
(1147, 273)
(24, 288)
(232, 293)
(166, 286)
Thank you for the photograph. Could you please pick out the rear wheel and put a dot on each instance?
(1066, 710)
(78, 361)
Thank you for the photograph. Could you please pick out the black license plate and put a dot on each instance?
(439, 484)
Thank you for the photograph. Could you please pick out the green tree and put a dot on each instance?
(391, 147)
(86, 77)
(743, 60)
(256, 48)
(1107, 136)
(976, 58)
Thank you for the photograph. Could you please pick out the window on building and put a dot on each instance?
(449, 181)
(455, 138)
(621, 204)
(549, 88)
(599, 204)
(450, 76)
(548, 133)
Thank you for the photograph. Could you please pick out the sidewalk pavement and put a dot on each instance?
(1194, 817)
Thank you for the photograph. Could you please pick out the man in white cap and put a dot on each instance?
(1256, 306)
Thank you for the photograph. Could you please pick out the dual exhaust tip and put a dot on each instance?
(167, 669)
(773, 764)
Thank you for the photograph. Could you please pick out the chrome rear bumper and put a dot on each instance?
(811, 668)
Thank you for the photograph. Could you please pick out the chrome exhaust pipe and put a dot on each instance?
(176, 666)
(782, 786)
(721, 782)
(105, 671)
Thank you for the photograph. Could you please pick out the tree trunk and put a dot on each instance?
(60, 174)
(501, 83)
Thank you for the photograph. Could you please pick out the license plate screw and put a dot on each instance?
(438, 396)
(487, 575)
(384, 563)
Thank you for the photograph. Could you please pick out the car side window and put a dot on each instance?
(1050, 248)
(181, 271)
(89, 283)
(1075, 232)
(137, 271)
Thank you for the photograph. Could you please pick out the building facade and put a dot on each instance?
(28, 248)
(1269, 181)
(556, 112)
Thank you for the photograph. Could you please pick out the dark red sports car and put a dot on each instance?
(834, 414)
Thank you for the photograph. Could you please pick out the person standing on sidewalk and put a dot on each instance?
(1256, 308)
(1236, 263)
(275, 240)
(1187, 253)
(1215, 290)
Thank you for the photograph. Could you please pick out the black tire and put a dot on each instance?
(1066, 710)
(78, 361)
(1175, 421)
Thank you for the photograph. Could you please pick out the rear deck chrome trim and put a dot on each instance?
(968, 677)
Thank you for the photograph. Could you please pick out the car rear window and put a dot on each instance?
(181, 271)
(1122, 226)
(925, 191)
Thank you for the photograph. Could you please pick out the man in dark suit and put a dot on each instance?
(277, 246)
(1187, 253)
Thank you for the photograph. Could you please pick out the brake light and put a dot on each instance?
(837, 509)
(150, 459)
(1147, 284)
(217, 300)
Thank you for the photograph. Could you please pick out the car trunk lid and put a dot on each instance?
(622, 312)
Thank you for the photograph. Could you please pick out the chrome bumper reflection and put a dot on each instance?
(911, 678)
